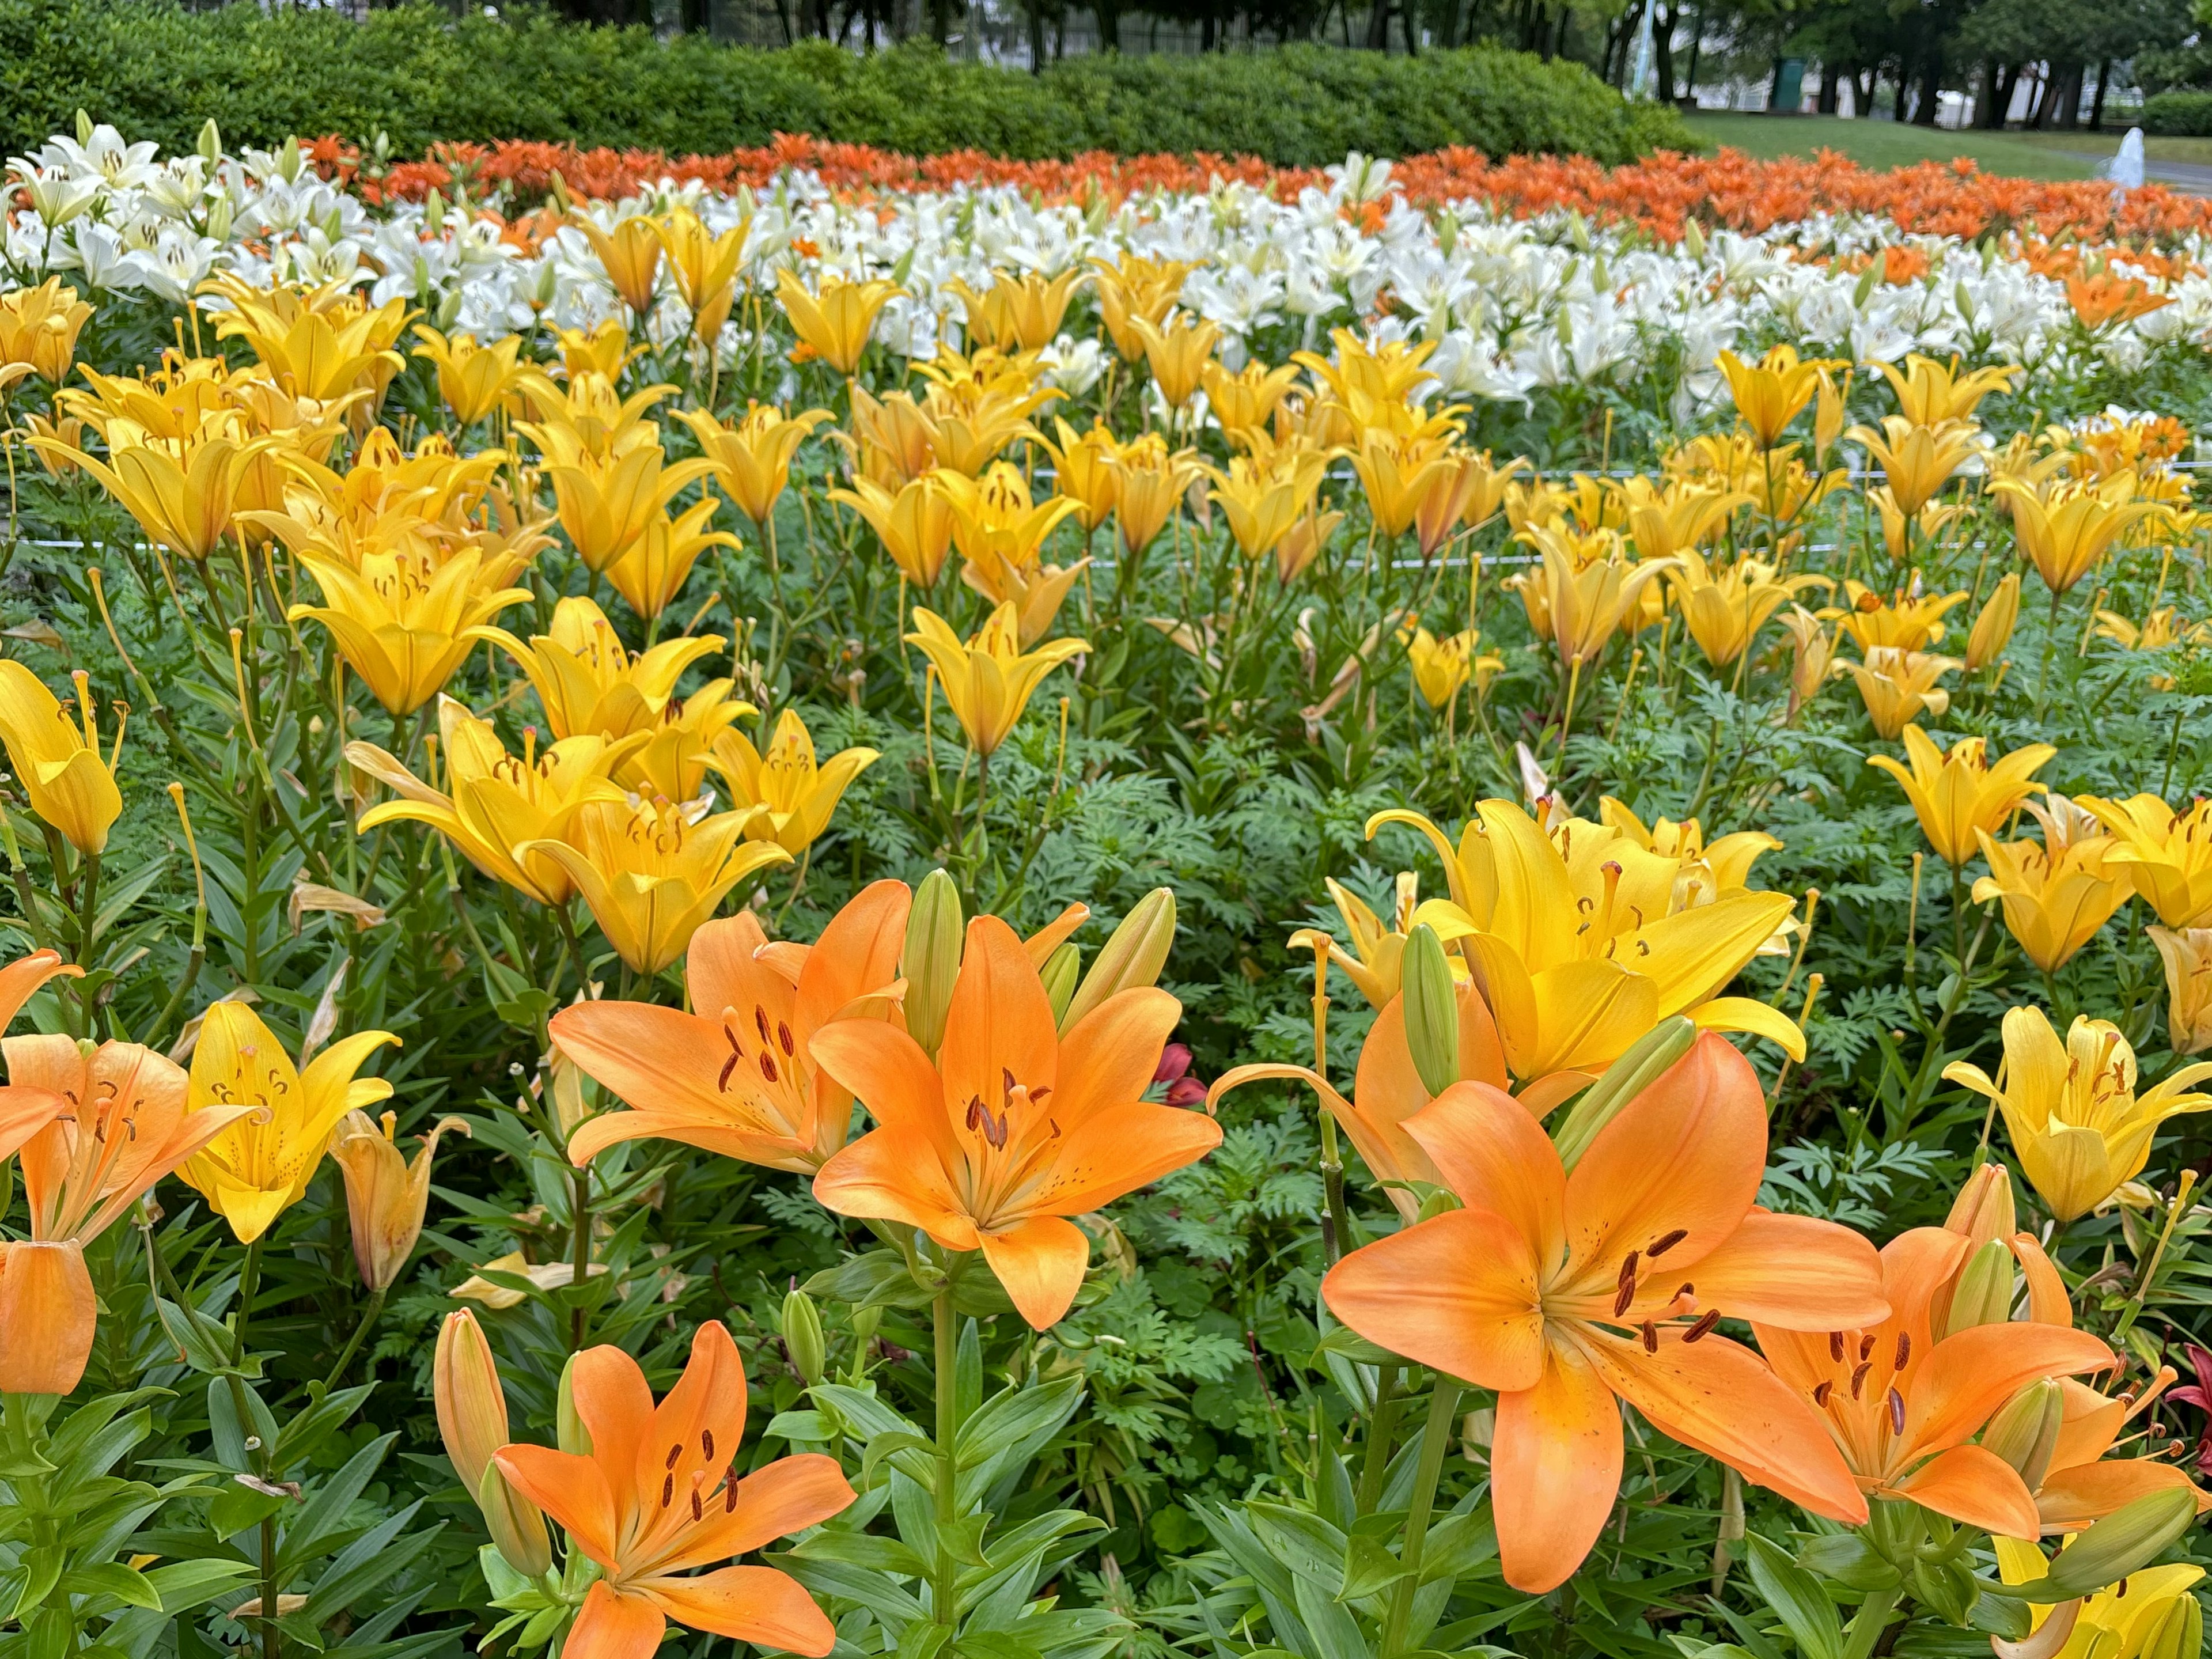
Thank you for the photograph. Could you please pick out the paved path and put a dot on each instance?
(2188, 176)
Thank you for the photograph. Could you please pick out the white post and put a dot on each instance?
(1638, 80)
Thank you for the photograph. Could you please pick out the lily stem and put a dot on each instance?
(369, 1316)
(1864, 1631)
(947, 1323)
(1374, 1456)
(1436, 1437)
(579, 1251)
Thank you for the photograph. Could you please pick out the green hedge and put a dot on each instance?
(414, 72)
(2179, 114)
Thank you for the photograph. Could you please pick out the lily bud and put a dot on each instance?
(386, 1197)
(1984, 1293)
(932, 959)
(221, 218)
(1983, 1208)
(803, 1339)
(569, 1431)
(566, 1081)
(1827, 419)
(1430, 1009)
(2179, 1631)
(1132, 957)
(83, 128)
(210, 145)
(1647, 1059)
(1059, 974)
(2025, 1430)
(1992, 629)
(472, 1422)
(2127, 1540)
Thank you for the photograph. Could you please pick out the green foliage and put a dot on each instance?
(415, 73)
(2179, 114)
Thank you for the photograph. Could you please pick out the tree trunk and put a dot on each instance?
(2096, 108)
(1831, 86)
(1378, 26)
(1620, 42)
(1931, 86)
(1862, 103)
(1036, 37)
(1662, 52)
(2038, 97)
(1896, 104)
(2070, 105)
(1697, 45)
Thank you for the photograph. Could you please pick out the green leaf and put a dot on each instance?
(1369, 1567)
(860, 1549)
(125, 1584)
(238, 1509)
(42, 1567)
(1849, 1559)
(184, 1585)
(1797, 1599)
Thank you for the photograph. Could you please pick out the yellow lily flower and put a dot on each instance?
(39, 328)
(2168, 852)
(1916, 461)
(1442, 666)
(2163, 627)
(975, 405)
(604, 352)
(1906, 534)
(654, 872)
(1812, 658)
(1378, 952)
(1303, 543)
(1263, 500)
(2055, 899)
(402, 624)
(914, 523)
(1703, 872)
(1581, 606)
(752, 460)
(792, 797)
(2077, 1125)
(473, 380)
(1397, 474)
(324, 344)
(386, 1197)
(1138, 288)
(834, 323)
(1001, 534)
(57, 760)
(1908, 619)
(704, 267)
(1992, 629)
(495, 803)
(1579, 953)
(630, 253)
(679, 751)
(1960, 795)
(988, 679)
(1898, 686)
(1929, 393)
(183, 496)
(1244, 401)
(1083, 469)
(2066, 535)
(589, 418)
(1675, 518)
(1177, 351)
(1149, 485)
(2186, 953)
(1772, 394)
(259, 1167)
(1724, 610)
(607, 506)
(1017, 313)
(2151, 1614)
(653, 573)
(588, 684)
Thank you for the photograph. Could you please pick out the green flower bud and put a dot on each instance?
(83, 128)
(2179, 1631)
(1132, 958)
(1984, 1291)
(1648, 1059)
(931, 960)
(2127, 1540)
(2025, 1430)
(1429, 1006)
(211, 141)
(569, 1431)
(1059, 976)
(803, 1339)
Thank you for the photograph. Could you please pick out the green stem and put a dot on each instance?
(1436, 1438)
(249, 1285)
(947, 1325)
(1374, 1453)
(1867, 1626)
(579, 1250)
(369, 1316)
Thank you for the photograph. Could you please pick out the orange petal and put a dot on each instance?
(1917, 1268)
(891, 1076)
(1555, 1470)
(24, 975)
(572, 1490)
(1497, 1158)
(1971, 1372)
(669, 1064)
(2090, 1423)
(1119, 1151)
(24, 1112)
(614, 1625)
(999, 1021)
(2047, 1301)
(1719, 1397)
(715, 961)
(1791, 1271)
(1458, 1292)
(47, 1317)
(2070, 1499)
(787, 1496)
(760, 1605)
(724, 1140)
(694, 1433)
(1107, 1057)
(1685, 1156)
(897, 1174)
(1040, 1262)
(858, 953)
(1387, 1091)
(615, 1407)
(1973, 1485)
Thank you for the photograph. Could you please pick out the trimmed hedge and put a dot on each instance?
(2179, 114)
(420, 75)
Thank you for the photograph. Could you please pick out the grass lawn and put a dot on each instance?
(1881, 145)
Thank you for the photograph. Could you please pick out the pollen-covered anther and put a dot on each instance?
(1896, 1411)
(1858, 1377)
(1703, 1327)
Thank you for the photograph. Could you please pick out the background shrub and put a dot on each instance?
(420, 75)
(2179, 114)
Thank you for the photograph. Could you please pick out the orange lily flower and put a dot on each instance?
(736, 1075)
(111, 1122)
(1016, 1127)
(1565, 1290)
(658, 1496)
(1904, 1399)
